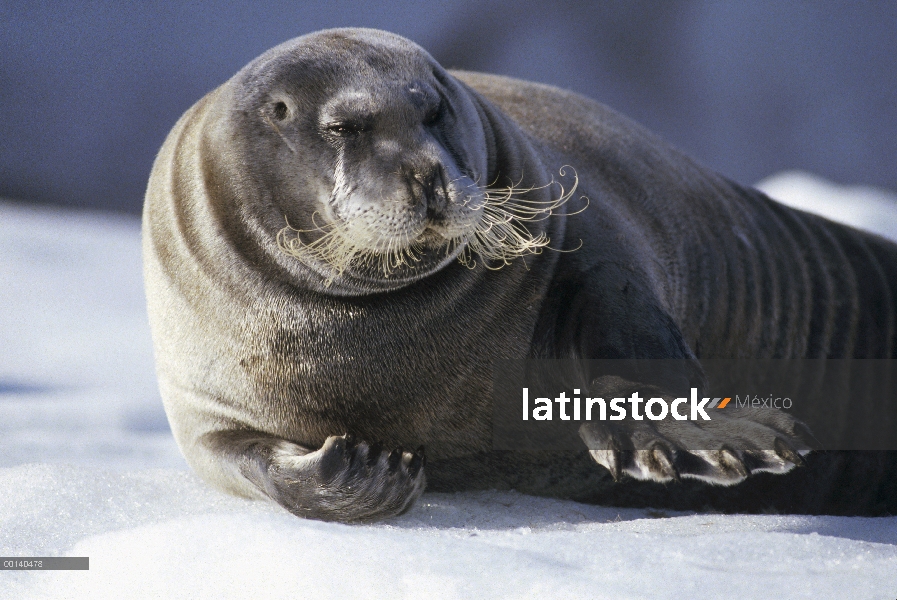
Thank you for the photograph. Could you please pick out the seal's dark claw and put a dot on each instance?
(350, 440)
(786, 452)
(662, 462)
(395, 458)
(732, 464)
(415, 465)
(374, 453)
(613, 459)
(609, 449)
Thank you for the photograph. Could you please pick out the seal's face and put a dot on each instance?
(369, 151)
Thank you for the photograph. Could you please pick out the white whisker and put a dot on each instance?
(498, 237)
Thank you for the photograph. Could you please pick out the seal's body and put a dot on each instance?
(344, 237)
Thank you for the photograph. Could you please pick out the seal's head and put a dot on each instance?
(366, 159)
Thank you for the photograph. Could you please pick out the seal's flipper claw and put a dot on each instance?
(732, 463)
(610, 448)
(610, 460)
(374, 453)
(395, 458)
(415, 465)
(786, 452)
(662, 462)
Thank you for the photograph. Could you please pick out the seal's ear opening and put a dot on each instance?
(281, 111)
(277, 112)
(280, 108)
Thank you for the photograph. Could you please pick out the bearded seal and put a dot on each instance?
(341, 239)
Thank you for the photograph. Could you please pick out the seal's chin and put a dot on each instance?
(432, 239)
(353, 255)
(404, 264)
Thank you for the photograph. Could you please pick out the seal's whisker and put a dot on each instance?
(499, 236)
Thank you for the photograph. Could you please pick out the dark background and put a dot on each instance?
(88, 90)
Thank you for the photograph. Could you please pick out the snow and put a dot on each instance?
(88, 467)
(863, 207)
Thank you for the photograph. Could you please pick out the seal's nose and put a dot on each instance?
(431, 185)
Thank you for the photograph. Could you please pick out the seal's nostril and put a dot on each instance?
(434, 192)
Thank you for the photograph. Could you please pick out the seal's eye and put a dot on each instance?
(432, 117)
(281, 111)
(345, 128)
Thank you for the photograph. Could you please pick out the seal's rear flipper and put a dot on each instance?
(345, 480)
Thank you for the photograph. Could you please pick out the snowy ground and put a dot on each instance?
(88, 468)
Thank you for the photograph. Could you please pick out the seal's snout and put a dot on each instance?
(429, 189)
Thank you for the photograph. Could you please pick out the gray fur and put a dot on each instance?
(266, 359)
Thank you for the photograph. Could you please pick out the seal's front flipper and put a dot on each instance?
(723, 451)
(344, 480)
